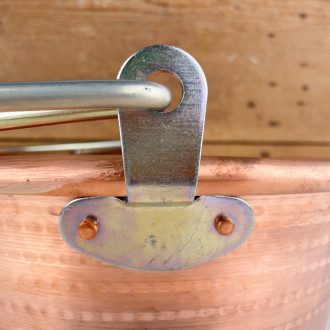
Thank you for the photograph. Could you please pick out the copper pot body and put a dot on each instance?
(278, 279)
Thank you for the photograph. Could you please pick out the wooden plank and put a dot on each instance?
(266, 62)
(223, 149)
(96, 175)
(267, 150)
(278, 279)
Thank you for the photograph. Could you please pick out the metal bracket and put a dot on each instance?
(161, 150)
(161, 226)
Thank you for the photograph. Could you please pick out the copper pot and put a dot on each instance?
(279, 279)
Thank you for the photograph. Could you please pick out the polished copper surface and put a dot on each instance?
(103, 175)
(224, 225)
(278, 279)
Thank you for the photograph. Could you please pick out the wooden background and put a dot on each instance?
(267, 64)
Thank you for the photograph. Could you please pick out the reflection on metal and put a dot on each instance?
(156, 237)
(88, 228)
(161, 226)
(161, 150)
(75, 101)
(77, 148)
(23, 119)
(92, 94)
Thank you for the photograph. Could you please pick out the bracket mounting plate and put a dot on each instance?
(156, 237)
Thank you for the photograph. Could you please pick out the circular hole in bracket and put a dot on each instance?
(172, 82)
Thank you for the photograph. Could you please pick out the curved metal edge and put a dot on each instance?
(177, 152)
(231, 206)
(140, 73)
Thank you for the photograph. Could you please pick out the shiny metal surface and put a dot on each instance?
(92, 94)
(156, 237)
(277, 278)
(160, 227)
(23, 119)
(77, 148)
(103, 175)
(161, 150)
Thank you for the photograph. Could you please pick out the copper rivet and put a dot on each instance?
(224, 225)
(88, 228)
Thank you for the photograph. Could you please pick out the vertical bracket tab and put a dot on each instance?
(161, 150)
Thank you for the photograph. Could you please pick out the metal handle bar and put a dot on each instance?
(75, 100)
(76, 147)
(92, 94)
(23, 119)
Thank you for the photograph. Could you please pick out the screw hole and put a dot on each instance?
(172, 82)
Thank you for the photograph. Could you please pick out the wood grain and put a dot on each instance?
(270, 149)
(266, 62)
(279, 279)
(103, 175)
(283, 150)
